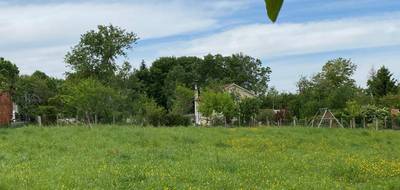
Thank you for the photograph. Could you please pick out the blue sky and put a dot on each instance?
(36, 34)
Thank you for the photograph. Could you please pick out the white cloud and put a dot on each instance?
(294, 49)
(49, 22)
(47, 59)
(268, 40)
(37, 36)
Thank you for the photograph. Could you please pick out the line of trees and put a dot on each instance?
(102, 87)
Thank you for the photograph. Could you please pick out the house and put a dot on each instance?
(6, 109)
(239, 91)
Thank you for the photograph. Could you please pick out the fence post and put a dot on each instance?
(376, 123)
(364, 123)
(341, 121)
(385, 122)
(39, 120)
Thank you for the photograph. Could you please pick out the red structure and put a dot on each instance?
(6, 108)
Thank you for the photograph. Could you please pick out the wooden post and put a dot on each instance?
(39, 120)
(330, 123)
(385, 122)
(376, 123)
(364, 120)
(323, 118)
(341, 121)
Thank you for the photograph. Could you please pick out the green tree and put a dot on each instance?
(336, 73)
(217, 103)
(240, 69)
(354, 110)
(92, 100)
(183, 102)
(33, 94)
(332, 88)
(249, 108)
(149, 112)
(382, 83)
(390, 101)
(8, 75)
(97, 52)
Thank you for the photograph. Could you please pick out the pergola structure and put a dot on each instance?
(325, 117)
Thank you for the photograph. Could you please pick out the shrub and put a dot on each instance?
(172, 119)
(265, 114)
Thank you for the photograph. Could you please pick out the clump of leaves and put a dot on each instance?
(273, 8)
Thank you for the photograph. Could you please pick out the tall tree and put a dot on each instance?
(97, 52)
(382, 83)
(337, 72)
(331, 88)
(32, 94)
(183, 102)
(8, 75)
(92, 100)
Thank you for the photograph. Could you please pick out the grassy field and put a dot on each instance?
(107, 157)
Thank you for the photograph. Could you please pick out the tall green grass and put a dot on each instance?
(111, 157)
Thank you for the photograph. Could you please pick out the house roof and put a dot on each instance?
(239, 87)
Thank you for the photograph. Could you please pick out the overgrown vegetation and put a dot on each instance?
(118, 157)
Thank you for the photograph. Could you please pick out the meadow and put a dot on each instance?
(118, 157)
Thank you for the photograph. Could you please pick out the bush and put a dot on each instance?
(264, 115)
(398, 121)
(148, 112)
(172, 119)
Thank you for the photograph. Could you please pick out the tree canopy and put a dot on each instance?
(96, 54)
(8, 75)
(382, 83)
